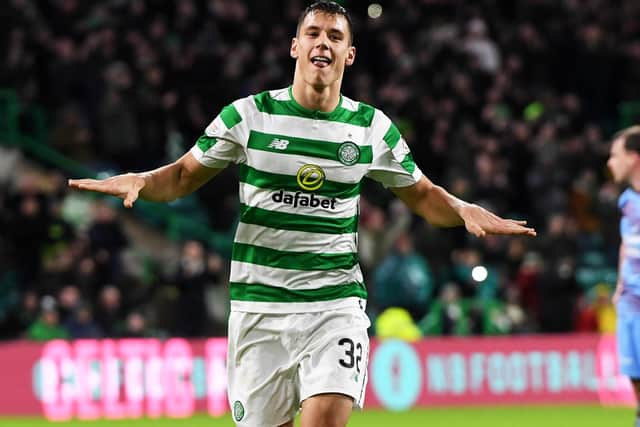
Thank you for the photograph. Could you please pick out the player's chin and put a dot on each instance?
(319, 81)
(617, 178)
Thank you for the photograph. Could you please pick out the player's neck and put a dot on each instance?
(324, 99)
(634, 182)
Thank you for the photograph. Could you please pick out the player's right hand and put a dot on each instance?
(126, 186)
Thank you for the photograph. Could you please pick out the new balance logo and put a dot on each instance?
(279, 144)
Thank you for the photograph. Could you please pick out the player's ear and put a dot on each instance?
(294, 48)
(351, 55)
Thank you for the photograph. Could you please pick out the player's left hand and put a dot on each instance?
(481, 222)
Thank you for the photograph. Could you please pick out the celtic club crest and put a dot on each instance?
(348, 153)
(238, 410)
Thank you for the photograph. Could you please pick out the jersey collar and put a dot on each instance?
(314, 114)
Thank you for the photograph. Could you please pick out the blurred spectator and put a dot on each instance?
(192, 278)
(29, 310)
(448, 315)
(494, 317)
(57, 248)
(560, 239)
(463, 263)
(217, 296)
(557, 291)
(586, 318)
(515, 315)
(15, 319)
(396, 322)
(379, 232)
(47, 325)
(136, 327)
(605, 311)
(118, 125)
(403, 280)
(595, 311)
(527, 278)
(481, 47)
(109, 313)
(26, 224)
(68, 302)
(72, 136)
(86, 277)
(81, 325)
(107, 240)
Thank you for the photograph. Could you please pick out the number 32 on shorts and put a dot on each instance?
(353, 353)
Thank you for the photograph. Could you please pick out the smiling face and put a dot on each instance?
(322, 49)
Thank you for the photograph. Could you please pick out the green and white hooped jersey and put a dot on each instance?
(295, 249)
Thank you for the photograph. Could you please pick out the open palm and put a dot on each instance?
(126, 187)
(481, 222)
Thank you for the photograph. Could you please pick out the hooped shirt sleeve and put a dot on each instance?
(393, 164)
(224, 138)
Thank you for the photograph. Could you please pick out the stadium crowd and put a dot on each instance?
(506, 103)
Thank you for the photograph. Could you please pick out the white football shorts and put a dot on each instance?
(276, 361)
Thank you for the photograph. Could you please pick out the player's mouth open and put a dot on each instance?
(320, 61)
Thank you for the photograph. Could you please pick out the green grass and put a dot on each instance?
(507, 416)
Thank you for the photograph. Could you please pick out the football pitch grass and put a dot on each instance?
(506, 416)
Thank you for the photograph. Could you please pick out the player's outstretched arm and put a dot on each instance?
(164, 184)
(442, 209)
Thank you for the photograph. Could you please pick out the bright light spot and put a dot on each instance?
(374, 10)
(479, 273)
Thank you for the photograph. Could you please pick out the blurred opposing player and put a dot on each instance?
(297, 330)
(624, 163)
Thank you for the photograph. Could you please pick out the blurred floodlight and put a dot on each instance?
(374, 10)
(479, 273)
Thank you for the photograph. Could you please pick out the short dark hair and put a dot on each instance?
(330, 8)
(630, 138)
